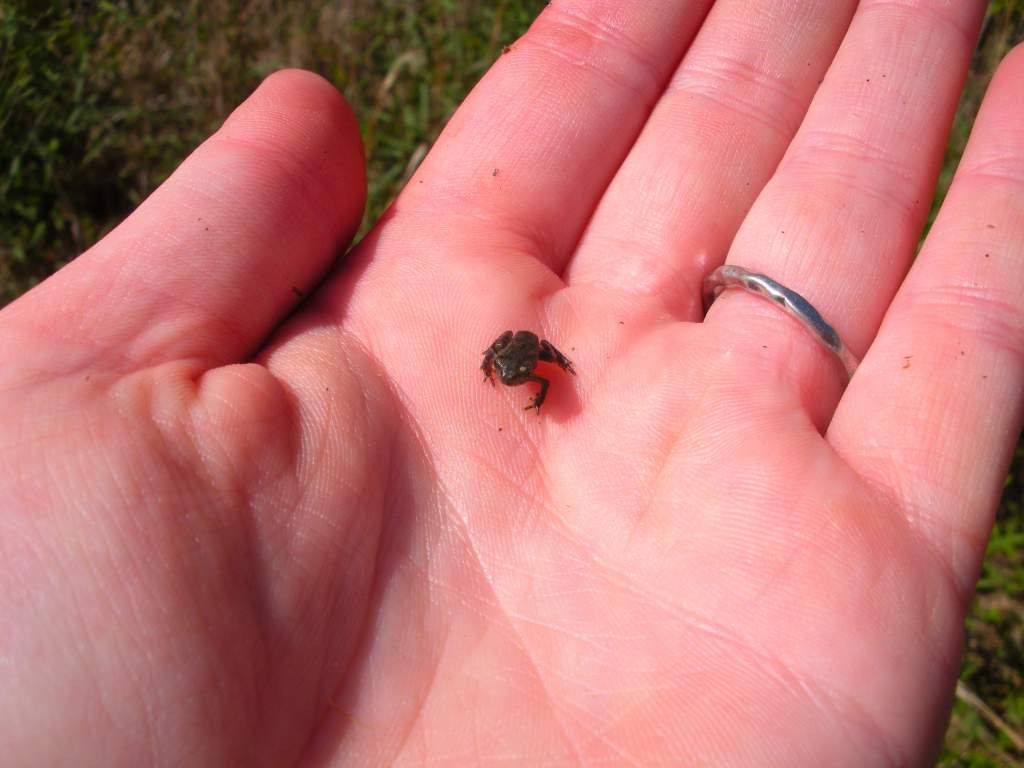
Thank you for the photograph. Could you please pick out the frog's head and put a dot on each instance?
(513, 370)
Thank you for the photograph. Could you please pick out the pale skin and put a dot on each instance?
(234, 536)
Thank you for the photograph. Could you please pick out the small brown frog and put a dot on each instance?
(516, 355)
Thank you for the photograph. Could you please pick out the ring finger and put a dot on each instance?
(841, 217)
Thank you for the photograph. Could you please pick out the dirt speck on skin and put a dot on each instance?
(506, 49)
(906, 361)
(495, 172)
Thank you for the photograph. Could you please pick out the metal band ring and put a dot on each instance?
(731, 276)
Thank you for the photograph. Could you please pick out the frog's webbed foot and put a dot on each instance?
(549, 354)
(538, 399)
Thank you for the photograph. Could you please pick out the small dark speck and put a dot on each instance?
(764, 346)
(906, 361)
(987, 255)
(984, 375)
(506, 49)
(961, 353)
(621, 323)
(991, 226)
(421, 181)
(782, 231)
(88, 376)
(572, 349)
(297, 292)
(495, 172)
(499, 429)
(206, 229)
(868, 80)
(821, 81)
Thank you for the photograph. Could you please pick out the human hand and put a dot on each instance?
(230, 540)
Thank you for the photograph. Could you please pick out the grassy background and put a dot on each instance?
(101, 99)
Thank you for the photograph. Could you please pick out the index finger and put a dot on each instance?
(535, 144)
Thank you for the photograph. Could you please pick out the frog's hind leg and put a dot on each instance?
(549, 354)
(538, 400)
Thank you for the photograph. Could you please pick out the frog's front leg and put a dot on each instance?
(487, 366)
(549, 354)
(538, 400)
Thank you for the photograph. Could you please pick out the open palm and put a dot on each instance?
(241, 535)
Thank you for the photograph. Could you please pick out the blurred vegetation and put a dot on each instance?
(101, 99)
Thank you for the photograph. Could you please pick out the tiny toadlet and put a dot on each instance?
(515, 355)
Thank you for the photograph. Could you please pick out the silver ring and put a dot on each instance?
(731, 276)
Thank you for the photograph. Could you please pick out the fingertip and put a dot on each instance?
(997, 135)
(303, 114)
(1005, 85)
(293, 77)
(298, 90)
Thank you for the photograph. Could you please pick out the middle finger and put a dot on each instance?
(712, 142)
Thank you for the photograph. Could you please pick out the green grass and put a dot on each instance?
(99, 101)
